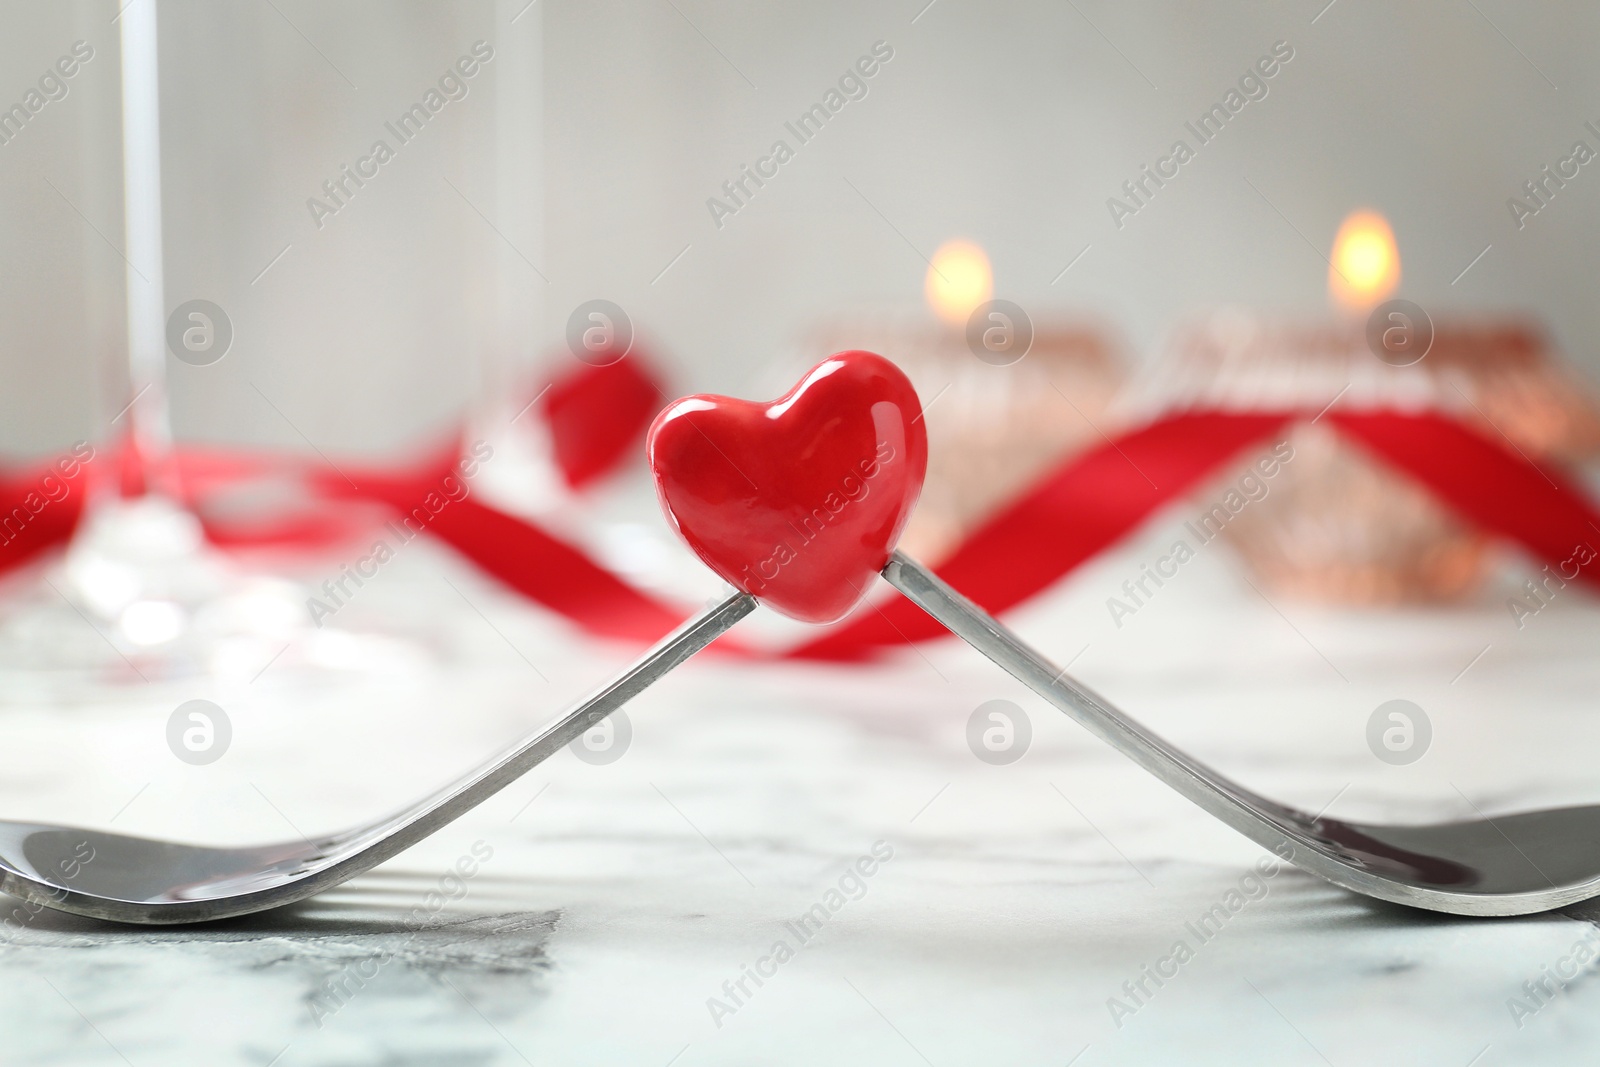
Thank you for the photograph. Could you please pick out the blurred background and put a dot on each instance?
(580, 164)
(405, 225)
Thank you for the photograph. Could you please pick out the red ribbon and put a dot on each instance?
(598, 417)
(1100, 496)
(1089, 503)
(34, 513)
(1085, 506)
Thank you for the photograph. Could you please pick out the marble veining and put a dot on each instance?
(1021, 903)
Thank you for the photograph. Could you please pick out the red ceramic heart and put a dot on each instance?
(798, 502)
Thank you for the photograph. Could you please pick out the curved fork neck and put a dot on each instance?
(1283, 830)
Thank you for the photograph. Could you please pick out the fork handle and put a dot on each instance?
(1267, 823)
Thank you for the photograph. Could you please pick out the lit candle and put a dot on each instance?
(1364, 269)
(959, 279)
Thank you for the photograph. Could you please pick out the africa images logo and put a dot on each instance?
(1140, 190)
(852, 85)
(453, 85)
(851, 489)
(851, 885)
(1252, 487)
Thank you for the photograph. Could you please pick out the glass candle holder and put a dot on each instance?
(1337, 524)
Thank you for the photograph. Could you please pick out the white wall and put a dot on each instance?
(1012, 123)
(1009, 123)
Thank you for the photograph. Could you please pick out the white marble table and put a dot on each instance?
(618, 900)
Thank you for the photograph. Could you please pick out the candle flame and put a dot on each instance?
(1365, 267)
(959, 279)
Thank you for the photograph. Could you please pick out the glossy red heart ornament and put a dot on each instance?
(798, 502)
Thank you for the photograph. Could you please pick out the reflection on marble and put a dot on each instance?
(309, 969)
(620, 899)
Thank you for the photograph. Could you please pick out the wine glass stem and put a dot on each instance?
(150, 433)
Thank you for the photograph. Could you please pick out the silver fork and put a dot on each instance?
(1511, 865)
